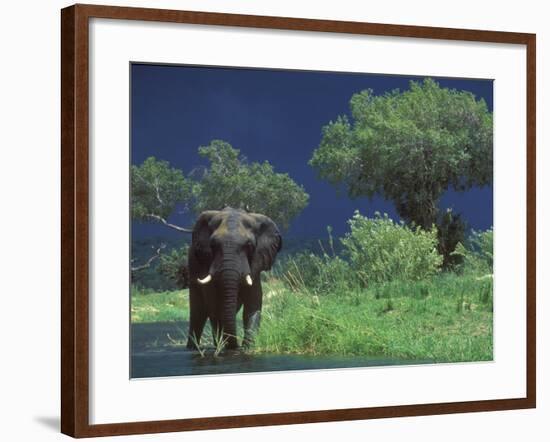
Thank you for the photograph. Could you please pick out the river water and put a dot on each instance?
(152, 356)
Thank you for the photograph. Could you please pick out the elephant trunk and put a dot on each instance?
(229, 280)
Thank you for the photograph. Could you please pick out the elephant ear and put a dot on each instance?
(201, 236)
(268, 244)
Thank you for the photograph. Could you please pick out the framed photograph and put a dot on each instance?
(272, 220)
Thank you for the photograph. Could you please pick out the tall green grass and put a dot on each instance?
(150, 306)
(448, 319)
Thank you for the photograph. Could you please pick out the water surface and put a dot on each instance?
(153, 356)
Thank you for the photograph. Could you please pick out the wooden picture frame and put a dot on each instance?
(75, 218)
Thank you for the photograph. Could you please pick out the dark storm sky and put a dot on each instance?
(269, 115)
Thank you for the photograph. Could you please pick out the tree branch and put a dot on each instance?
(167, 224)
(150, 260)
(156, 186)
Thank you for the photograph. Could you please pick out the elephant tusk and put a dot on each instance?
(205, 280)
(248, 280)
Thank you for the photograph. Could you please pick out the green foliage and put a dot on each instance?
(231, 180)
(317, 273)
(415, 320)
(482, 244)
(377, 250)
(156, 189)
(477, 254)
(381, 250)
(158, 306)
(149, 277)
(173, 265)
(447, 318)
(409, 147)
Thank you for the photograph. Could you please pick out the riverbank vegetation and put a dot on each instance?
(383, 295)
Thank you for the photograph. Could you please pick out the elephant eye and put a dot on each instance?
(249, 247)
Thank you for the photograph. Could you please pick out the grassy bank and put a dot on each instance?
(446, 319)
(151, 306)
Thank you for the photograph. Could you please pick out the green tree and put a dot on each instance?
(409, 147)
(230, 180)
(157, 189)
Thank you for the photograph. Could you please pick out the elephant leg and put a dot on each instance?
(251, 327)
(198, 315)
(252, 314)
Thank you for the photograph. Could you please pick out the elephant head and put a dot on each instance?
(230, 248)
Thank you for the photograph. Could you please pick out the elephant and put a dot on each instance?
(229, 249)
